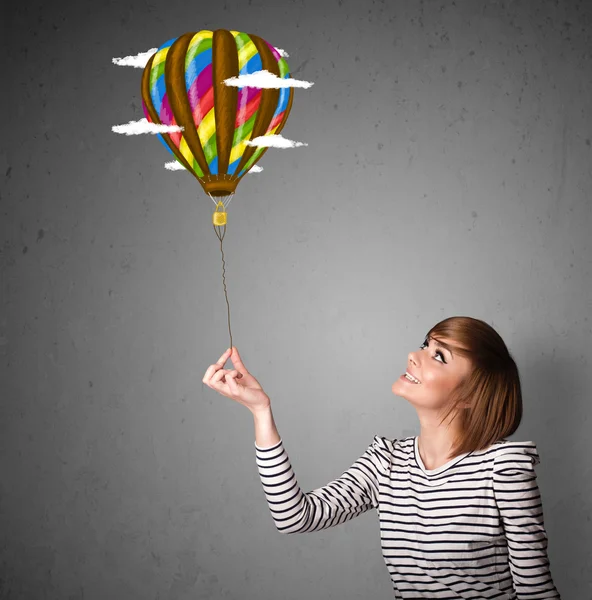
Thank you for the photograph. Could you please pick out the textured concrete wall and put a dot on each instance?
(447, 172)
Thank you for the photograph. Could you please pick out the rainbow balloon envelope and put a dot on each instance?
(183, 85)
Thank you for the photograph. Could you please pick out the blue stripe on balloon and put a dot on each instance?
(284, 96)
(158, 91)
(214, 166)
(168, 43)
(157, 94)
(282, 102)
(252, 65)
(196, 66)
(233, 166)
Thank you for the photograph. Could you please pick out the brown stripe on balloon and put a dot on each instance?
(174, 77)
(154, 115)
(224, 66)
(269, 100)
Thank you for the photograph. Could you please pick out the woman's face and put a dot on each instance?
(438, 370)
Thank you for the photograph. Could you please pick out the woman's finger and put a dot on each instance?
(213, 368)
(232, 384)
(215, 378)
(218, 376)
(216, 373)
(224, 357)
(232, 374)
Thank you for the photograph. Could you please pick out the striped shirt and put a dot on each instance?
(470, 529)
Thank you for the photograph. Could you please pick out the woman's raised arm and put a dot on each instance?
(350, 495)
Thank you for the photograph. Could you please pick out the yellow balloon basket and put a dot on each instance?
(219, 215)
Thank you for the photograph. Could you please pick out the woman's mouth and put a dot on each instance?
(407, 377)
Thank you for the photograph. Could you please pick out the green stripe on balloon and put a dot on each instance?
(253, 158)
(244, 130)
(159, 71)
(241, 40)
(210, 149)
(197, 169)
(153, 77)
(201, 46)
(283, 65)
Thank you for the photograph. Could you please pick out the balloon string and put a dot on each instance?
(224, 277)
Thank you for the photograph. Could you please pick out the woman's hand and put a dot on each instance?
(247, 392)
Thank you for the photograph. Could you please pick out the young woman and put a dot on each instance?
(460, 511)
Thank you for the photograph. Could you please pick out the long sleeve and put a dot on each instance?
(353, 493)
(519, 502)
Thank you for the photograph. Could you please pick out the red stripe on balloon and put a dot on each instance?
(243, 116)
(200, 88)
(176, 135)
(203, 107)
(166, 114)
(167, 118)
(276, 121)
(247, 94)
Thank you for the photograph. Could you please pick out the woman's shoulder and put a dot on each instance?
(505, 452)
(393, 445)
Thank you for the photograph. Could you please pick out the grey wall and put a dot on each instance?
(447, 173)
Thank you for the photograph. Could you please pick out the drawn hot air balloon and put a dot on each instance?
(183, 85)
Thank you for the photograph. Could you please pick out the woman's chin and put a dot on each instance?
(398, 390)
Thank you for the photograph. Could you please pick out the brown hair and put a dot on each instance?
(492, 389)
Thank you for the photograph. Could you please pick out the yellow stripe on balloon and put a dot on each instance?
(195, 40)
(246, 53)
(207, 128)
(185, 151)
(237, 151)
(199, 36)
(160, 56)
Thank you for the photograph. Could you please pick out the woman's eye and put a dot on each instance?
(438, 353)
